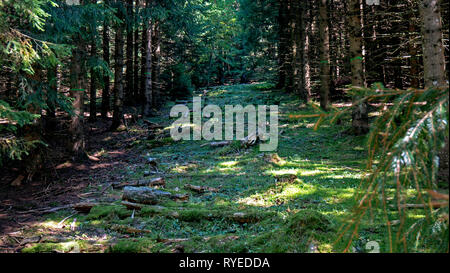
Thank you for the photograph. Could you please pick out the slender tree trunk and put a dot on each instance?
(298, 47)
(156, 62)
(77, 88)
(283, 42)
(324, 54)
(52, 77)
(144, 44)
(129, 83)
(93, 87)
(106, 105)
(360, 119)
(433, 48)
(118, 75)
(306, 71)
(148, 70)
(414, 58)
(289, 63)
(136, 56)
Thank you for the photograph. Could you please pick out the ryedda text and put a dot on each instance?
(225, 263)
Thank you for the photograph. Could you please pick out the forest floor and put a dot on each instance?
(291, 200)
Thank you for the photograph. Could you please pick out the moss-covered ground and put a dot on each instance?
(290, 200)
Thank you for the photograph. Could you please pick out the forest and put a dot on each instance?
(358, 92)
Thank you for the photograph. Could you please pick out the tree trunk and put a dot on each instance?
(297, 47)
(156, 61)
(306, 71)
(118, 75)
(324, 54)
(52, 77)
(413, 52)
(360, 119)
(148, 70)
(93, 87)
(144, 44)
(77, 88)
(283, 42)
(129, 83)
(434, 64)
(136, 56)
(106, 80)
(433, 48)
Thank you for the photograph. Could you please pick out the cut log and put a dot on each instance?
(434, 205)
(131, 205)
(216, 144)
(247, 141)
(243, 218)
(142, 183)
(143, 195)
(200, 189)
(127, 229)
(84, 207)
(180, 197)
(171, 241)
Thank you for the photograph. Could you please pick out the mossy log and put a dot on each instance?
(144, 195)
(160, 182)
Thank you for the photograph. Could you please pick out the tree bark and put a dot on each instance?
(77, 88)
(283, 42)
(136, 55)
(360, 119)
(148, 69)
(298, 47)
(93, 86)
(118, 75)
(324, 54)
(106, 80)
(433, 48)
(156, 62)
(129, 83)
(306, 71)
(144, 44)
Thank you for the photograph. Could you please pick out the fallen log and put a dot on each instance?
(242, 218)
(247, 141)
(180, 197)
(142, 183)
(131, 205)
(143, 195)
(128, 229)
(200, 189)
(84, 207)
(434, 205)
(216, 144)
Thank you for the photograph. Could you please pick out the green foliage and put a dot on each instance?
(181, 82)
(403, 162)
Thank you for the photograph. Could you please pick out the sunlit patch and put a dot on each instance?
(50, 224)
(311, 172)
(282, 172)
(228, 164)
(272, 196)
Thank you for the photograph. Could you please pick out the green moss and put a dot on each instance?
(139, 245)
(72, 246)
(108, 212)
(308, 220)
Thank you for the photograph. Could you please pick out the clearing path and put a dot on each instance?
(227, 199)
